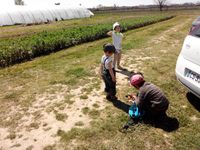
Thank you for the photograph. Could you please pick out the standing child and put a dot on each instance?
(117, 42)
(107, 71)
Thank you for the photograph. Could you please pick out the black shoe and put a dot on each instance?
(108, 97)
(128, 124)
(125, 127)
(106, 90)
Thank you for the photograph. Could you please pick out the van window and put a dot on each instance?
(195, 31)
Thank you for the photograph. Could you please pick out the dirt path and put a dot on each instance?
(50, 113)
(55, 111)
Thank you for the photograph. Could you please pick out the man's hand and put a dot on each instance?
(131, 97)
(134, 96)
(131, 101)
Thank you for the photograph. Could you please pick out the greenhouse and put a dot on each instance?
(32, 15)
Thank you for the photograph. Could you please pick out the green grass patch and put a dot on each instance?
(77, 72)
(83, 97)
(94, 114)
(34, 125)
(12, 135)
(95, 105)
(85, 110)
(25, 48)
(70, 102)
(60, 116)
(49, 147)
(80, 123)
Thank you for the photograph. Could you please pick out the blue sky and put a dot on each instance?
(92, 3)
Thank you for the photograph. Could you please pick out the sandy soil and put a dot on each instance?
(38, 131)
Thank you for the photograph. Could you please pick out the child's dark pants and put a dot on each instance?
(110, 86)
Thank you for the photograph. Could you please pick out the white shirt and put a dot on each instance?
(105, 60)
(117, 40)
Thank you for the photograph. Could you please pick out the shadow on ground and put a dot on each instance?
(167, 123)
(126, 72)
(120, 105)
(193, 100)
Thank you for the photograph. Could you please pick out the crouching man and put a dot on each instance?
(150, 98)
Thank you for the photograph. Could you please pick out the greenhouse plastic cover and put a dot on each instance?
(32, 15)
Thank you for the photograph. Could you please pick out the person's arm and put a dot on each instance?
(140, 99)
(109, 33)
(111, 71)
(101, 70)
(137, 100)
(123, 36)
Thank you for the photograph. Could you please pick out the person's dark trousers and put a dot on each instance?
(156, 116)
(110, 86)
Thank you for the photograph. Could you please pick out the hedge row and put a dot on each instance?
(18, 50)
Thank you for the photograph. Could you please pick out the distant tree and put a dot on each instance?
(161, 3)
(19, 2)
(188, 4)
(114, 6)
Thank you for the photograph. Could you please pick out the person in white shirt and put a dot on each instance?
(107, 71)
(117, 37)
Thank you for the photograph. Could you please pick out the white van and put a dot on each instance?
(188, 63)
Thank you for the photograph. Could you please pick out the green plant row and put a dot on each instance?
(26, 48)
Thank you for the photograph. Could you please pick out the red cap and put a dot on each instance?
(136, 79)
